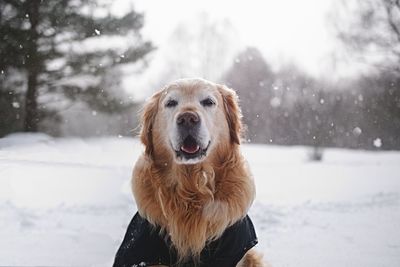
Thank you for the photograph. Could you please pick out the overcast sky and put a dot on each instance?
(283, 30)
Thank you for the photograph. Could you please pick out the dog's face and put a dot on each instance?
(189, 118)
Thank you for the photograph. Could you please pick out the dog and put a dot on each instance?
(192, 186)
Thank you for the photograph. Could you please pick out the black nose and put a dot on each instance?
(188, 119)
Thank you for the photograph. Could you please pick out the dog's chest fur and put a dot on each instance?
(193, 204)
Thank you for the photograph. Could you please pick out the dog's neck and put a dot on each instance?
(194, 203)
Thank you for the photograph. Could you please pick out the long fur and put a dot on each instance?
(194, 204)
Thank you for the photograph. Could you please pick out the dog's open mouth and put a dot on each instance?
(190, 145)
(191, 149)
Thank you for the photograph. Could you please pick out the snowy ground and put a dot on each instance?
(67, 202)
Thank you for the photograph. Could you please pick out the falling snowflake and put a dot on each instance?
(275, 102)
(16, 105)
(97, 31)
(357, 131)
(377, 142)
(94, 112)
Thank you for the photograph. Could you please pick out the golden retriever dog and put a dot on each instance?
(192, 183)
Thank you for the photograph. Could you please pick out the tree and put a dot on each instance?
(11, 110)
(381, 109)
(63, 49)
(200, 47)
(373, 36)
(370, 31)
(253, 78)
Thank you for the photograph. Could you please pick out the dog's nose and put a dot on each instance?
(188, 119)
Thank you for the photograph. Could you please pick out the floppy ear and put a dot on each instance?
(233, 113)
(147, 121)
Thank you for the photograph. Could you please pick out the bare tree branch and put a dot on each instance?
(389, 6)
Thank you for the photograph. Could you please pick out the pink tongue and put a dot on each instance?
(190, 148)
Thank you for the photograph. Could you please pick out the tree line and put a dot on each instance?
(289, 107)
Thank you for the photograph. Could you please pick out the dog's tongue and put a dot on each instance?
(190, 149)
(190, 145)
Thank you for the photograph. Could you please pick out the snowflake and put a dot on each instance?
(377, 142)
(16, 105)
(275, 102)
(357, 131)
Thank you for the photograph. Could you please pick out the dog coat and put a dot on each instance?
(143, 245)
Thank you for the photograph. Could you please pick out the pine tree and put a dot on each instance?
(50, 45)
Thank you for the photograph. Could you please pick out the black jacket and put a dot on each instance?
(143, 245)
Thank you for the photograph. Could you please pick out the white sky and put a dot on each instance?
(290, 30)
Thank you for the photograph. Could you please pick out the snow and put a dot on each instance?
(16, 104)
(357, 131)
(377, 142)
(67, 202)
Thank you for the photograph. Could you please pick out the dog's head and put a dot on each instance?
(189, 118)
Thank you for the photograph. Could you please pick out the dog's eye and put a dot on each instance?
(171, 103)
(207, 102)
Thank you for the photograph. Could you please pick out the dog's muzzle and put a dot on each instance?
(190, 147)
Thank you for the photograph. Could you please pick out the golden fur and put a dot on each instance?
(194, 203)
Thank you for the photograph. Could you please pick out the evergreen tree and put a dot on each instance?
(62, 49)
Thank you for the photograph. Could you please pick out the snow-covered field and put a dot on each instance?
(67, 202)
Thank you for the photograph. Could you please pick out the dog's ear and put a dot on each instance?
(147, 122)
(233, 113)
